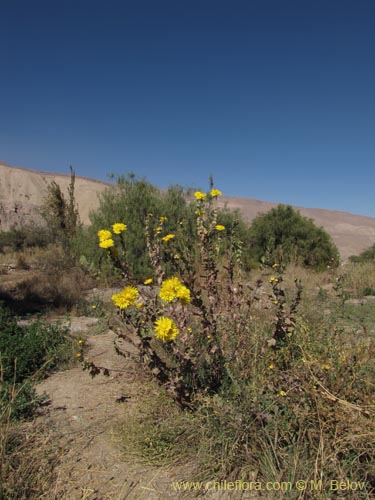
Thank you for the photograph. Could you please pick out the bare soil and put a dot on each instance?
(85, 413)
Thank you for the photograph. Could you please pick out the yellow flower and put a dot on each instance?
(275, 266)
(326, 367)
(271, 366)
(183, 295)
(162, 219)
(165, 329)
(93, 307)
(200, 213)
(119, 227)
(215, 192)
(199, 195)
(78, 355)
(219, 227)
(273, 279)
(150, 214)
(148, 281)
(176, 256)
(139, 305)
(172, 289)
(158, 229)
(107, 243)
(80, 342)
(125, 298)
(168, 237)
(168, 289)
(189, 330)
(104, 234)
(282, 393)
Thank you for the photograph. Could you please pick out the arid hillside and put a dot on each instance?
(22, 191)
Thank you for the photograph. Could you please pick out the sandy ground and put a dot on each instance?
(85, 412)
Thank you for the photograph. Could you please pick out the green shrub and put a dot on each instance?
(366, 256)
(26, 352)
(131, 202)
(283, 235)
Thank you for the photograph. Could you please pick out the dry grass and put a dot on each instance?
(43, 278)
(29, 459)
(359, 278)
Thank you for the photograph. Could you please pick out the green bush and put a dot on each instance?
(131, 201)
(26, 352)
(366, 256)
(283, 235)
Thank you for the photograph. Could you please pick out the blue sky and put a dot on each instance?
(275, 99)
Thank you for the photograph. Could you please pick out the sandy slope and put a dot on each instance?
(22, 190)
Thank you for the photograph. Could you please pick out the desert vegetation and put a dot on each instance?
(261, 343)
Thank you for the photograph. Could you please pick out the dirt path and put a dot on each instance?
(84, 413)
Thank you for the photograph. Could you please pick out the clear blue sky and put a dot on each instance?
(275, 98)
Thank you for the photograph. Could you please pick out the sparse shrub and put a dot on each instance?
(283, 235)
(19, 238)
(61, 215)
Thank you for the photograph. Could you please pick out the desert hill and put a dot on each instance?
(22, 190)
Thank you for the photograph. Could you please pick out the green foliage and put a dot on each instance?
(283, 235)
(24, 353)
(130, 202)
(21, 399)
(366, 256)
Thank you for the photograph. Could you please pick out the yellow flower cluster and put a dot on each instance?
(119, 227)
(199, 195)
(219, 227)
(168, 237)
(215, 192)
(125, 298)
(104, 234)
(202, 196)
(172, 289)
(106, 243)
(165, 329)
(105, 238)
